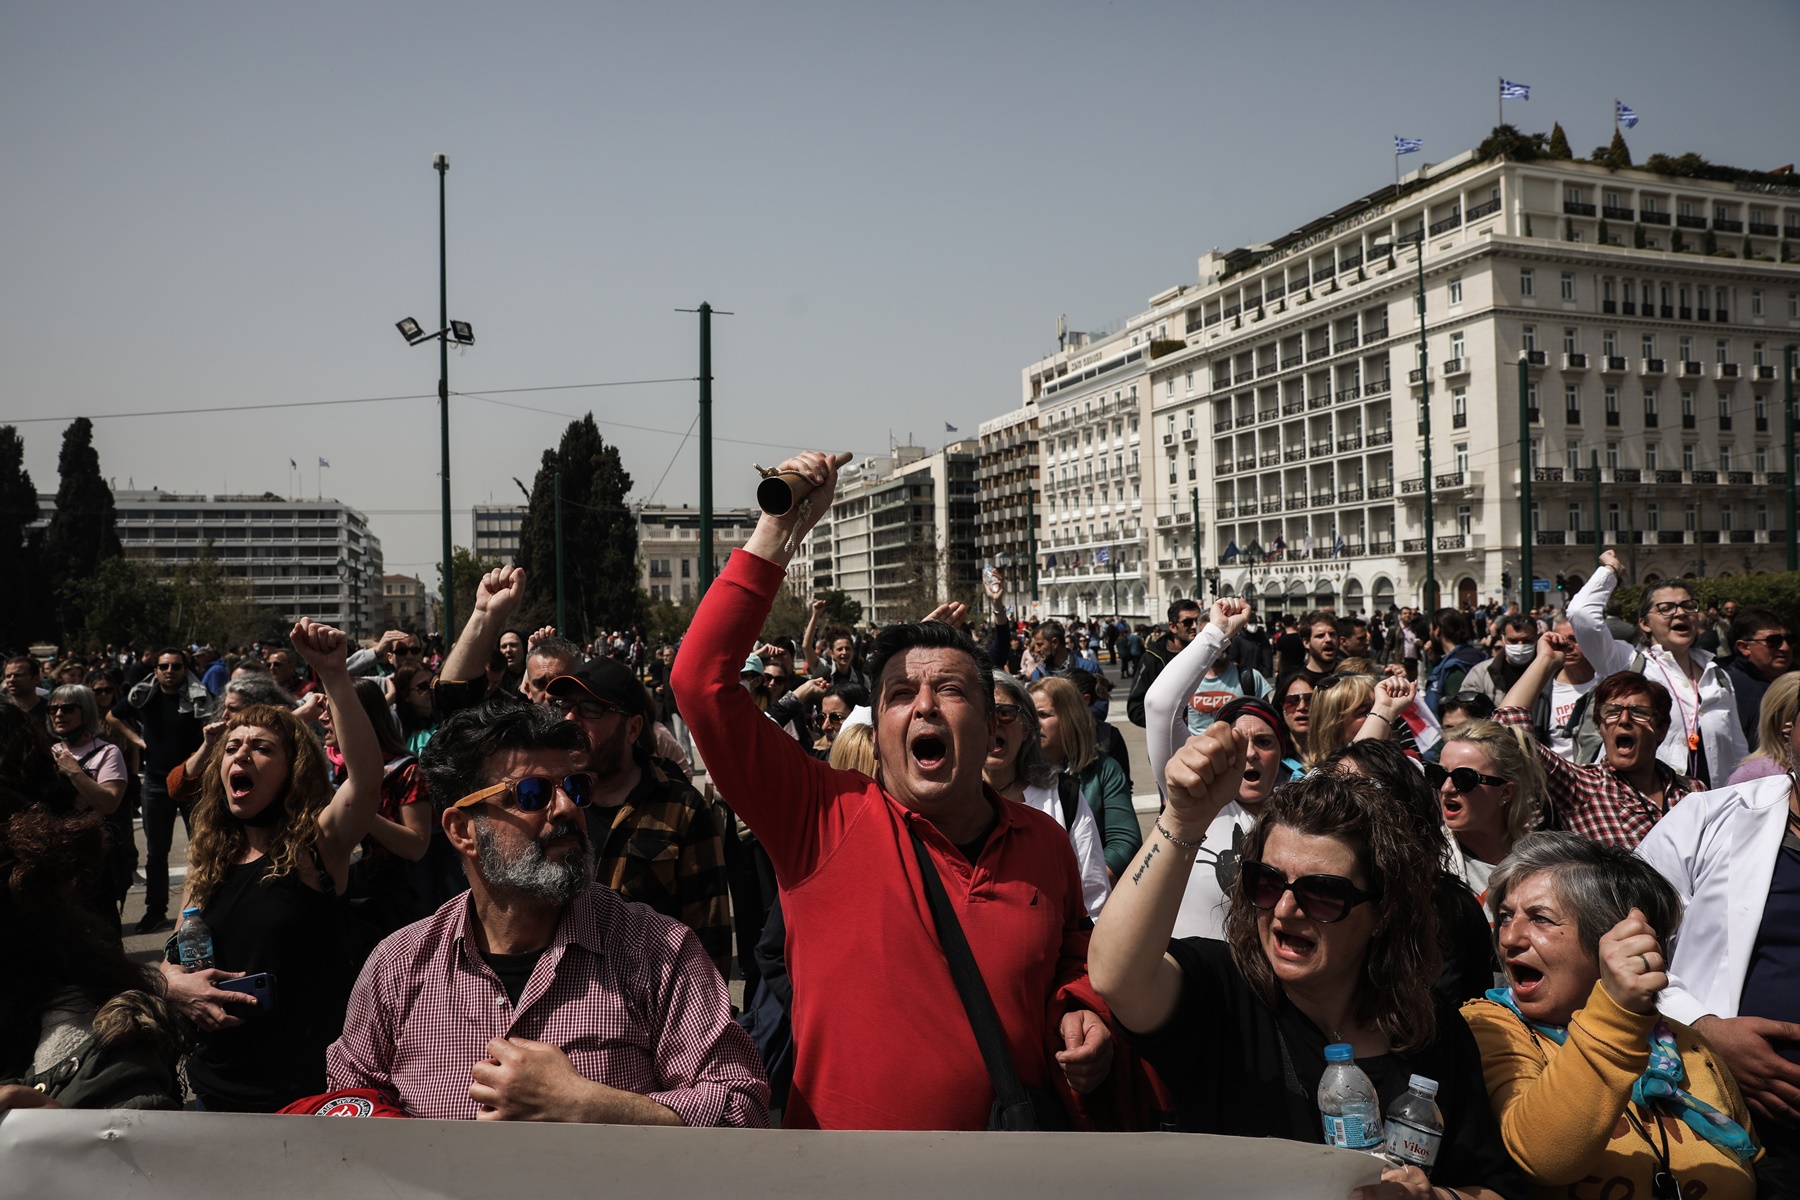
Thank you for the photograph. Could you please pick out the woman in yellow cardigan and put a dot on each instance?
(1596, 1093)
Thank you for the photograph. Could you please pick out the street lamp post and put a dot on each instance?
(464, 335)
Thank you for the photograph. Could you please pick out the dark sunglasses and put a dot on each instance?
(171, 666)
(409, 651)
(534, 793)
(1773, 641)
(1322, 898)
(593, 710)
(1008, 713)
(1463, 779)
(1295, 701)
(63, 708)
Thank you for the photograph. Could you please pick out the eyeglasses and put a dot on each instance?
(1612, 714)
(1188, 622)
(1773, 641)
(408, 651)
(63, 708)
(833, 718)
(171, 666)
(1008, 713)
(1295, 701)
(1322, 898)
(1666, 608)
(1463, 779)
(420, 687)
(593, 710)
(534, 793)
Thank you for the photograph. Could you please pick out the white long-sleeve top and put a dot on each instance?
(1713, 710)
(1090, 855)
(1165, 704)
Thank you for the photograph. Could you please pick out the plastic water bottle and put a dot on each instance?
(1415, 1126)
(194, 941)
(1348, 1103)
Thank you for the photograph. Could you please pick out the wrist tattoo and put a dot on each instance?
(1148, 855)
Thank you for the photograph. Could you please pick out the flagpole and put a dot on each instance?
(1500, 88)
(1615, 116)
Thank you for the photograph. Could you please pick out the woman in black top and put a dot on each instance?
(1331, 937)
(267, 867)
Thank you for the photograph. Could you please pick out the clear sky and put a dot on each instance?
(230, 204)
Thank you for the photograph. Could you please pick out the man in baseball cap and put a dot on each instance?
(657, 840)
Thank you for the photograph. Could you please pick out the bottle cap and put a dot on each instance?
(190, 912)
(1345, 1052)
(1422, 1085)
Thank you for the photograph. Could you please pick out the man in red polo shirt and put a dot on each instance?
(880, 1034)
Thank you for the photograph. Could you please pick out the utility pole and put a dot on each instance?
(706, 312)
(1787, 411)
(1527, 581)
(1430, 591)
(1031, 534)
(1194, 504)
(562, 627)
(1599, 525)
(442, 164)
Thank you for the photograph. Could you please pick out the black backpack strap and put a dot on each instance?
(1069, 793)
(1015, 1104)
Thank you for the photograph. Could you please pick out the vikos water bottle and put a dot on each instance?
(1348, 1105)
(194, 941)
(1415, 1127)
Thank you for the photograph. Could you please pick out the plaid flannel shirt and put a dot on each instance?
(1593, 800)
(665, 847)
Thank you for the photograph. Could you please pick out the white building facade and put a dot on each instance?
(1284, 394)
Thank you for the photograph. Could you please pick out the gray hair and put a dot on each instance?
(1032, 765)
(555, 647)
(257, 689)
(82, 694)
(1599, 885)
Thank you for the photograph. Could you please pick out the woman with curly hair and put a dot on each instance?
(1331, 938)
(267, 866)
(81, 1026)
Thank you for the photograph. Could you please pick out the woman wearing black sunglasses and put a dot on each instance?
(1331, 937)
(1487, 782)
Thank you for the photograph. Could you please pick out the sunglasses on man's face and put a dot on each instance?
(171, 667)
(534, 793)
(1463, 779)
(1773, 641)
(593, 710)
(407, 651)
(1322, 898)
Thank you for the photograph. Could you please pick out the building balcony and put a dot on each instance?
(1613, 212)
(1689, 421)
(1372, 336)
(1246, 462)
(1701, 477)
(1349, 393)
(1225, 467)
(1272, 458)
(1244, 420)
(1381, 491)
(1740, 477)
(1727, 225)
(1320, 449)
(1322, 499)
(1574, 360)
(1537, 360)
(1413, 546)
(1378, 387)
(1322, 400)
(1692, 370)
(1294, 454)
(1546, 474)
(1350, 495)
(1318, 352)
(1616, 364)
(1453, 221)
(1485, 208)
(1187, 434)
(1347, 444)
(1291, 407)
(1548, 537)
(1381, 437)
(1267, 414)
(1295, 503)
(1575, 208)
(1455, 366)
(1412, 487)
(1726, 372)
(1762, 372)
(1453, 541)
(1292, 360)
(1418, 375)
(1650, 217)
(1651, 366)
(1169, 438)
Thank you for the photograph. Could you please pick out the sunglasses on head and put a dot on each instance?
(1463, 779)
(534, 793)
(1322, 898)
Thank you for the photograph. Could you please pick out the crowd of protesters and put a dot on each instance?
(1549, 860)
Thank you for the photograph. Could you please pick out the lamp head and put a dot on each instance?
(463, 332)
(410, 330)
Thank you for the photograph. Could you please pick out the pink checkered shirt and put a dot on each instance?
(626, 993)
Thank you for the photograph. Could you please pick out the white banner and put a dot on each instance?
(192, 1156)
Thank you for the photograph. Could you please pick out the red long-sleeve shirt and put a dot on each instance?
(881, 1039)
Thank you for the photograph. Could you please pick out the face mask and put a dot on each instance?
(1519, 655)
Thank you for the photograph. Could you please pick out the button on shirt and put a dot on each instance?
(625, 992)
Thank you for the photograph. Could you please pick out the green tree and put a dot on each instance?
(1507, 141)
(83, 531)
(1614, 155)
(600, 570)
(207, 605)
(1559, 143)
(122, 602)
(23, 606)
(841, 608)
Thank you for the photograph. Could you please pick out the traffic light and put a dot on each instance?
(1562, 583)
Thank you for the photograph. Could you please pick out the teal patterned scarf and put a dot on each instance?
(1660, 1084)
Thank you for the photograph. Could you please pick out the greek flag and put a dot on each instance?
(324, 462)
(1407, 145)
(1339, 549)
(292, 465)
(949, 428)
(1102, 556)
(1627, 118)
(1514, 91)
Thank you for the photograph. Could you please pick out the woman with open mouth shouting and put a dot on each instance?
(1331, 937)
(1598, 1094)
(1487, 782)
(267, 866)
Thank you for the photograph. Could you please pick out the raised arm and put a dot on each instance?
(346, 819)
(1552, 651)
(807, 658)
(1128, 958)
(496, 596)
(1165, 704)
(1587, 614)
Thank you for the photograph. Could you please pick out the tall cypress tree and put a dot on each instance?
(83, 531)
(600, 570)
(1559, 142)
(24, 606)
